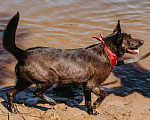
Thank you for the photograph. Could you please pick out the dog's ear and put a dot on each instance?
(117, 31)
(118, 28)
(117, 36)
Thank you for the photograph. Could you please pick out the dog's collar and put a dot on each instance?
(112, 56)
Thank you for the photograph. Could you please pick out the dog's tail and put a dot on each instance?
(127, 61)
(9, 38)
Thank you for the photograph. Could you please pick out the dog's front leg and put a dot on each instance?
(87, 95)
(101, 96)
(92, 86)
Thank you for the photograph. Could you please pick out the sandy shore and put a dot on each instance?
(132, 107)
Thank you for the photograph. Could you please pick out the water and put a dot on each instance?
(70, 24)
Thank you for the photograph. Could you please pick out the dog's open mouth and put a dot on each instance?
(134, 50)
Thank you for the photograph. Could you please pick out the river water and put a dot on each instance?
(70, 24)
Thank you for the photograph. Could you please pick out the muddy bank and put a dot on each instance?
(132, 107)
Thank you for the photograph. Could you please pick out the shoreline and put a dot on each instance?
(132, 107)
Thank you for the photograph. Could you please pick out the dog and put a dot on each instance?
(46, 66)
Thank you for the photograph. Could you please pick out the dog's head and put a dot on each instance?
(124, 42)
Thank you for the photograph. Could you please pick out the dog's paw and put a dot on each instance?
(52, 103)
(93, 112)
(97, 102)
(50, 100)
(15, 111)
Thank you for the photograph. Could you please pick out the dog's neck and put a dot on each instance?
(112, 55)
(113, 46)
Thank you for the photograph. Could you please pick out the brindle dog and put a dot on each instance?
(46, 66)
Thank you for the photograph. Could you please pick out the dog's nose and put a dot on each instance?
(142, 42)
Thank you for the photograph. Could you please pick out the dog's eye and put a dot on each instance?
(129, 35)
(131, 42)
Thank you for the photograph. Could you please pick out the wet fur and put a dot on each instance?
(46, 66)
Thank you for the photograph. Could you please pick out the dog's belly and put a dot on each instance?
(69, 73)
(62, 73)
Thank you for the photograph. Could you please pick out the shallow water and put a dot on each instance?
(70, 24)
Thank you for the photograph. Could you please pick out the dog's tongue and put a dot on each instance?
(135, 51)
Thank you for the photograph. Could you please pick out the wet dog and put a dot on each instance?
(46, 66)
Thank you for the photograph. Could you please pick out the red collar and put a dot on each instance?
(112, 56)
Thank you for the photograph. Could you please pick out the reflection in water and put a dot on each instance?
(70, 24)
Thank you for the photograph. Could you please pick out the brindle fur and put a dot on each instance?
(46, 66)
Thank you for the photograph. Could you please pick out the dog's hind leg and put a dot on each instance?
(20, 86)
(39, 93)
